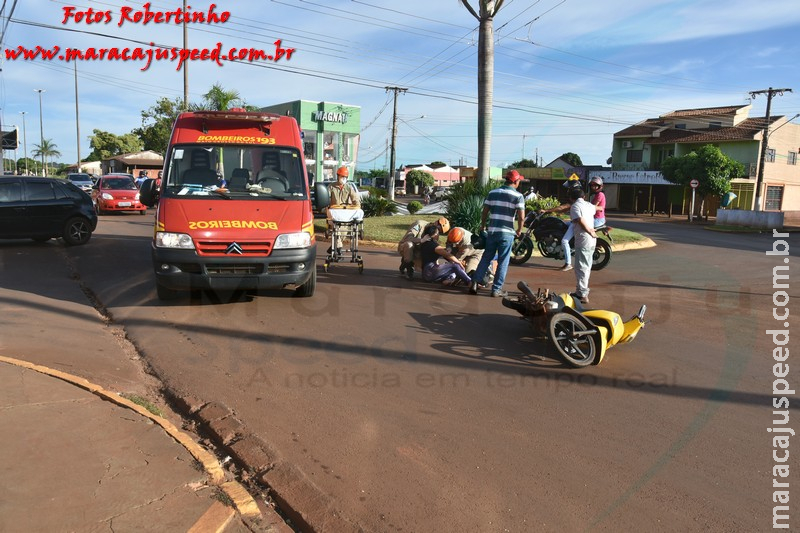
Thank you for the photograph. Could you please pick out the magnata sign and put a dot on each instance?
(331, 116)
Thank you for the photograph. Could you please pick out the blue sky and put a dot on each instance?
(568, 73)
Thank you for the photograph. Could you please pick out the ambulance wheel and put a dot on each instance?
(307, 289)
(574, 342)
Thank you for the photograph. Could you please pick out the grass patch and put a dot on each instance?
(391, 229)
(144, 402)
(381, 229)
(622, 236)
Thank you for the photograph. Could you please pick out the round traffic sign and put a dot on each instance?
(694, 184)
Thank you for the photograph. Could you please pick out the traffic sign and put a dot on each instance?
(694, 184)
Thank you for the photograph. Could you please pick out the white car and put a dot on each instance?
(82, 181)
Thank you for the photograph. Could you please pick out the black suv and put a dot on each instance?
(45, 208)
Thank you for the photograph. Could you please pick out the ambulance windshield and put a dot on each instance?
(240, 171)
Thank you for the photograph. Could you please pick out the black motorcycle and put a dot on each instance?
(547, 231)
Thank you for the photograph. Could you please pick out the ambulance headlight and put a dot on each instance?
(293, 240)
(174, 240)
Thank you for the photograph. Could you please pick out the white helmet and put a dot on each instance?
(597, 179)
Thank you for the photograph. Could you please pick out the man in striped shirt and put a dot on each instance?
(501, 207)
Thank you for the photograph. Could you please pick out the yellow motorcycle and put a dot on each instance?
(581, 336)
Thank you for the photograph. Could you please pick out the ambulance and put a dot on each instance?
(233, 206)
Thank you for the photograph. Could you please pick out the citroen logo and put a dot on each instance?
(234, 248)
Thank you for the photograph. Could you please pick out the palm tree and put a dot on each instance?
(218, 99)
(487, 11)
(46, 151)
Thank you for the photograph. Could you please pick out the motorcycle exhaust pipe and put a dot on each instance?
(523, 287)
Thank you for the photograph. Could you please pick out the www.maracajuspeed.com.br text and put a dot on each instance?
(148, 55)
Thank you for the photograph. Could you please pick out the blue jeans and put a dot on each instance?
(498, 243)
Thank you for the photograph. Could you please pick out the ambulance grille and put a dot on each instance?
(249, 248)
(234, 269)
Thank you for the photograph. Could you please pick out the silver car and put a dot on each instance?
(82, 181)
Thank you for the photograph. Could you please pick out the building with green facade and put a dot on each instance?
(331, 133)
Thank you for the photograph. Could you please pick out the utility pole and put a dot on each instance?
(185, 63)
(392, 162)
(77, 119)
(764, 140)
(24, 140)
(41, 130)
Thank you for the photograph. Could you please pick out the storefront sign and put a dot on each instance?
(650, 177)
(331, 116)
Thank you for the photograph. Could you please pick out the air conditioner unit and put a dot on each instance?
(627, 144)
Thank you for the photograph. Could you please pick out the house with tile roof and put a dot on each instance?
(635, 181)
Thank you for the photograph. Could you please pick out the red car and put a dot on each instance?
(117, 193)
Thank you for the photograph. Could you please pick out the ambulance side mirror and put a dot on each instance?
(148, 193)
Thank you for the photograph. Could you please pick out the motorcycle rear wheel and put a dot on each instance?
(521, 250)
(602, 255)
(573, 341)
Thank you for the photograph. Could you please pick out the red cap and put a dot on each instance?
(514, 177)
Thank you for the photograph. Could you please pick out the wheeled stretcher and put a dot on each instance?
(345, 225)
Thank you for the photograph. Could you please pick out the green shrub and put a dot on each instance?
(466, 213)
(465, 203)
(542, 203)
(378, 206)
(414, 206)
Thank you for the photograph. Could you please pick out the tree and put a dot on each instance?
(218, 99)
(32, 166)
(46, 151)
(105, 145)
(420, 177)
(708, 165)
(523, 163)
(572, 158)
(437, 164)
(157, 124)
(486, 12)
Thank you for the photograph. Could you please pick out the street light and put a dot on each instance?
(24, 140)
(41, 129)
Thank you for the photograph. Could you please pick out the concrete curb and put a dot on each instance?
(245, 504)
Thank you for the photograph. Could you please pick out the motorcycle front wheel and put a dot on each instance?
(573, 341)
(602, 255)
(521, 250)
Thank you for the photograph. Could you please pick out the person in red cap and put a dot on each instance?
(501, 207)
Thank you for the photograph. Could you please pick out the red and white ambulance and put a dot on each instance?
(234, 211)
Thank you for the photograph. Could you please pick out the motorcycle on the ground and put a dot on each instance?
(580, 336)
(547, 230)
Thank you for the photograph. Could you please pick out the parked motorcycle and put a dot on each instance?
(580, 336)
(547, 231)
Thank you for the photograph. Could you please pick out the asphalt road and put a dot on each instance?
(401, 406)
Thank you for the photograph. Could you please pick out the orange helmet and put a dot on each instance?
(343, 172)
(455, 235)
(444, 224)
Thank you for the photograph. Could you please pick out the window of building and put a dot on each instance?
(714, 125)
(770, 158)
(680, 126)
(634, 156)
(774, 198)
(792, 160)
